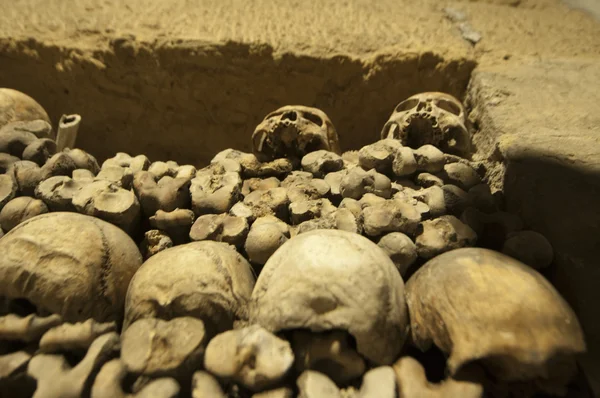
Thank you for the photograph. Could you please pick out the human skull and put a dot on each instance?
(69, 264)
(480, 305)
(294, 130)
(16, 106)
(205, 280)
(430, 118)
(334, 280)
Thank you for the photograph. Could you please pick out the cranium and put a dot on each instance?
(480, 305)
(294, 130)
(326, 280)
(69, 264)
(430, 118)
(16, 106)
(205, 280)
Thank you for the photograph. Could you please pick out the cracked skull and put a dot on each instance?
(430, 118)
(294, 130)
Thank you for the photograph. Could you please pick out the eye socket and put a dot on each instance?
(313, 118)
(448, 106)
(406, 105)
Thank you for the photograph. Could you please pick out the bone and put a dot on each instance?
(470, 292)
(266, 235)
(294, 131)
(379, 156)
(39, 151)
(154, 242)
(310, 209)
(167, 194)
(481, 197)
(379, 382)
(122, 159)
(529, 247)
(177, 224)
(252, 357)
(14, 142)
(204, 385)
(443, 234)
(27, 175)
(58, 193)
(401, 250)
(13, 364)
(153, 347)
(60, 164)
(27, 329)
(110, 378)
(370, 199)
(56, 378)
(68, 127)
(83, 176)
(83, 160)
(353, 205)
(404, 163)
(319, 163)
(427, 180)
(241, 210)
(282, 392)
(121, 176)
(412, 382)
(429, 159)
(74, 336)
(456, 199)
(220, 228)
(391, 216)
(6, 161)
(8, 189)
(186, 171)
(329, 353)
(272, 201)
(252, 168)
(334, 180)
(296, 177)
(214, 190)
(430, 118)
(39, 128)
(216, 292)
(359, 182)
(161, 169)
(312, 384)
(301, 192)
(256, 184)
(20, 209)
(110, 203)
(461, 175)
(434, 198)
(341, 219)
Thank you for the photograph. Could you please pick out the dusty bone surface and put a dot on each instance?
(77, 266)
(251, 356)
(501, 297)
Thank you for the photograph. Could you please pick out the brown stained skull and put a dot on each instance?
(294, 130)
(430, 118)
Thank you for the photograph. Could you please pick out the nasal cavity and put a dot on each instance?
(291, 115)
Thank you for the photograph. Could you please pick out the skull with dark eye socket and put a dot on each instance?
(430, 118)
(294, 131)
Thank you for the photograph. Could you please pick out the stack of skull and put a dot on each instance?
(328, 305)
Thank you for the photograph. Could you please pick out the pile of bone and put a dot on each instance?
(140, 279)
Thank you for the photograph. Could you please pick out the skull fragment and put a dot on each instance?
(294, 131)
(430, 118)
